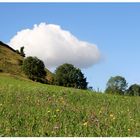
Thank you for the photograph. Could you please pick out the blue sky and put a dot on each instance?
(113, 27)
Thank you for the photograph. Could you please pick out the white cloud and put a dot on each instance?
(55, 46)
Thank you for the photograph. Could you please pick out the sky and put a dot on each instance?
(110, 31)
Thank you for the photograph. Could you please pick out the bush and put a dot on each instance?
(34, 68)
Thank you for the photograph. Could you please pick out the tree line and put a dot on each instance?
(69, 76)
(119, 85)
(65, 75)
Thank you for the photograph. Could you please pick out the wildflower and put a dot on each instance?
(111, 115)
(113, 118)
(131, 119)
(57, 110)
(85, 123)
(129, 129)
(49, 111)
(0, 104)
(52, 132)
(56, 127)
(100, 112)
(54, 116)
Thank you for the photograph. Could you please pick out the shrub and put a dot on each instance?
(34, 68)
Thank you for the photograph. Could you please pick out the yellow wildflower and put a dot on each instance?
(111, 115)
(131, 119)
(85, 123)
(100, 112)
(129, 129)
(57, 110)
(49, 111)
(113, 118)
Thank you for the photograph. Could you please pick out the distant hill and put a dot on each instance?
(11, 62)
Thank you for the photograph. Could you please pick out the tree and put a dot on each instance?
(134, 90)
(116, 85)
(69, 76)
(22, 51)
(34, 68)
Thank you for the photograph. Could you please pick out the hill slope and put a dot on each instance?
(10, 60)
(34, 109)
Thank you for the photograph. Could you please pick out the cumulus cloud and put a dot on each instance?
(55, 46)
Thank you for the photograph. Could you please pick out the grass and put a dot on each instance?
(33, 109)
(10, 61)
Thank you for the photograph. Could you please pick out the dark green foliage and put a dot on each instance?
(22, 51)
(34, 68)
(69, 76)
(134, 90)
(116, 85)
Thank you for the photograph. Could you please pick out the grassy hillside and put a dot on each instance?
(10, 61)
(34, 109)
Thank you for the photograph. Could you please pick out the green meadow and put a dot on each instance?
(33, 109)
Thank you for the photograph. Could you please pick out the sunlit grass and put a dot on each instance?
(34, 109)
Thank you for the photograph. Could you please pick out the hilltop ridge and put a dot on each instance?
(7, 46)
(11, 62)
